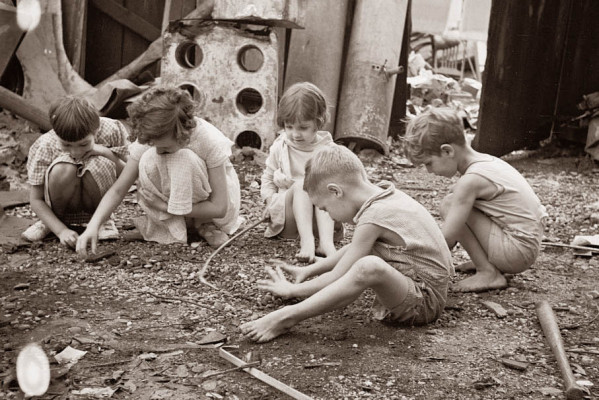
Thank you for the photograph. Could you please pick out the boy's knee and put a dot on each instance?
(445, 205)
(368, 270)
(62, 173)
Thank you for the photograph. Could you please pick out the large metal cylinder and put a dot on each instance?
(370, 72)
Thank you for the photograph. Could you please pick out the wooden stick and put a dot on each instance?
(226, 371)
(554, 338)
(269, 380)
(571, 246)
(166, 15)
(222, 246)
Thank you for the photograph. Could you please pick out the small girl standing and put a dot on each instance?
(183, 170)
(71, 167)
(302, 112)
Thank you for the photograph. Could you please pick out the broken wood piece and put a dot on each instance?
(14, 198)
(226, 371)
(496, 308)
(21, 107)
(269, 380)
(570, 246)
(100, 256)
(323, 364)
(554, 339)
(514, 364)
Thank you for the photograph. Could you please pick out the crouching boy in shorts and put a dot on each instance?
(71, 167)
(397, 250)
(492, 211)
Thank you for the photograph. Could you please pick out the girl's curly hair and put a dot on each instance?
(162, 111)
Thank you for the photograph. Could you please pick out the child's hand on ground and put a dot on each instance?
(88, 237)
(277, 284)
(299, 274)
(68, 238)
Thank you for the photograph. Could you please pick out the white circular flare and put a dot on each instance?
(29, 14)
(33, 370)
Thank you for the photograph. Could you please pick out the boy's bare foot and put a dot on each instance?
(306, 252)
(466, 267)
(481, 281)
(327, 250)
(266, 328)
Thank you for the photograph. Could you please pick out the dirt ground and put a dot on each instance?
(142, 315)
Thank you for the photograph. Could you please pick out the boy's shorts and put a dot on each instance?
(420, 307)
(509, 254)
(102, 171)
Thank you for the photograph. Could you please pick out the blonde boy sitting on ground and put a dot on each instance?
(397, 250)
(492, 211)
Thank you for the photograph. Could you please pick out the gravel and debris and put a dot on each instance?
(143, 318)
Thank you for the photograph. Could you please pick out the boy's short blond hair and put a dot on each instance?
(302, 101)
(428, 131)
(74, 118)
(333, 164)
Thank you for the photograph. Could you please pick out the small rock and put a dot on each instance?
(499, 311)
(182, 371)
(74, 330)
(549, 391)
(594, 294)
(21, 286)
(518, 365)
(147, 356)
(210, 385)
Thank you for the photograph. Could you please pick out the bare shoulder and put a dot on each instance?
(366, 234)
(474, 184)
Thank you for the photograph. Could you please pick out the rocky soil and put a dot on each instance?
(151, 330)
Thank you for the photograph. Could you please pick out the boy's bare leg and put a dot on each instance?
(303, 212)
(64, 188)
(390, 285)
(326, 231)
(90, 193)
(474, 237)
(466, 267)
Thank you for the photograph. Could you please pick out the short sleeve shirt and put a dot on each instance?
(46, 148)
(210, 144)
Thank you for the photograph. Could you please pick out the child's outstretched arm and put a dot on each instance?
(360, 246)
(465, 192)
(321, 266)
(113, 197)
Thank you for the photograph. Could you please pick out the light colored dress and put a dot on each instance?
(284, 167)
(181, 180)
(46, 152)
